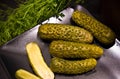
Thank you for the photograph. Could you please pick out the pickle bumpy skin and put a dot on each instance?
(59, 65)
(65, 49)
(100, 31)
(64, 32)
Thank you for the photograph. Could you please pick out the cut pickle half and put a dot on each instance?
(37, 61)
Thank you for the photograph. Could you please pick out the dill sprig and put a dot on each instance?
(28, 15)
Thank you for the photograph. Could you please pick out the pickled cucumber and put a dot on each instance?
(64, 32)
(37, 61)
(66, 49)
(23, 74)
(59, 65)
(100, 31)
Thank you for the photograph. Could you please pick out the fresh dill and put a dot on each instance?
(29, 14)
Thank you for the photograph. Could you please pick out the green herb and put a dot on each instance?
(29, 14)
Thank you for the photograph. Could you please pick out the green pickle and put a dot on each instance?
(66, 49)
(59, 65)
(100, 31)
(64, 32)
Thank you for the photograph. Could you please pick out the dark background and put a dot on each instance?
(106, 11)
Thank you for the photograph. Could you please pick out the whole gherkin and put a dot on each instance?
(59, 65)
(52, 31)
(100, 31)
(65, 49)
